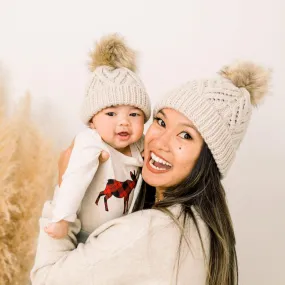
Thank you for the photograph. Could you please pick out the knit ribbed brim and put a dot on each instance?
(102, 98)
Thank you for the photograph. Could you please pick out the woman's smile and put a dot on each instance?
(158, 164)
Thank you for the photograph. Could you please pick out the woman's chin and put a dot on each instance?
(152, 179)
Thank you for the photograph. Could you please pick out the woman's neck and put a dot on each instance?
(159, 194)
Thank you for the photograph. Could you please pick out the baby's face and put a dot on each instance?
(119, 126)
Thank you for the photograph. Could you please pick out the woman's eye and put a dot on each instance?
(185, 136)
(111, 114)
(160, 122)
(134, 114)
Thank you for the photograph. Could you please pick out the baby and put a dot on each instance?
(115, 109)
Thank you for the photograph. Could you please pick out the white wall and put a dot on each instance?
(44, 46)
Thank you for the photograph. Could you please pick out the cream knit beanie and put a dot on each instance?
(113, 81)
(221, 108)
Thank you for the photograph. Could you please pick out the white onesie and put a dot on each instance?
(97, 193)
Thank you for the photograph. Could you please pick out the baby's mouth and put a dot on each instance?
(123, 135)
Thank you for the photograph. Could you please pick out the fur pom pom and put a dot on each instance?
(112, 51)
(254, 78)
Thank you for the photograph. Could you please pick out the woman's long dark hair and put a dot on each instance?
(203, 190)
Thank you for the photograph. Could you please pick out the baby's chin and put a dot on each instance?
(124, 143)
(120, 145)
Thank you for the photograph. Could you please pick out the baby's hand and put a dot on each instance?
(57, 230)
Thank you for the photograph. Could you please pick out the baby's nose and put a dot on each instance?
(124, 122)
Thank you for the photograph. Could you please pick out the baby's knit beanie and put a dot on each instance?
(221, 108)
(113, 79)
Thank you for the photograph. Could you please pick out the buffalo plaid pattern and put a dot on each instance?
(119, 190)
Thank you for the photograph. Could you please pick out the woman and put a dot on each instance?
(186, 235)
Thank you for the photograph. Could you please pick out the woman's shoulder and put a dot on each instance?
(142, 222)
(154, 229)
(134, 225)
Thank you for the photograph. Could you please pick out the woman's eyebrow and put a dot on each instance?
(190, 126)
(160, 111)
(183, 124)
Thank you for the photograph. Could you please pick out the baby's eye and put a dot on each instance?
(185, 136)
(134, 114)
(111, 114)
(160, 122)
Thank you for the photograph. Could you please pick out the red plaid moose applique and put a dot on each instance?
(119, 190)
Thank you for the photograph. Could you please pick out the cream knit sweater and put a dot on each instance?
(140, 248)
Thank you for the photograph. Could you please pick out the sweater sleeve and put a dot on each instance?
(59, 261)
(81, 169)
(140, 248)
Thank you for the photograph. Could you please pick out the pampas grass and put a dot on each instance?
(27, 178)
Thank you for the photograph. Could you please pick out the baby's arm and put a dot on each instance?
(81, 169)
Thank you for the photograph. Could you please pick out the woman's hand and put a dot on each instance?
(64, 160)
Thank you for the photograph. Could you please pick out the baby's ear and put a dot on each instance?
(91, 125)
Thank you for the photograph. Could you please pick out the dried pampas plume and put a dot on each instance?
(254, 78)
(27, 177)
(112, 51)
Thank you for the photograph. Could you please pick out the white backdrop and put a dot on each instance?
(44, 47)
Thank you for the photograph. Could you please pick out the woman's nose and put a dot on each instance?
(163, 141)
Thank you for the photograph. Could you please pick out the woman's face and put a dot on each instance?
(172, 147)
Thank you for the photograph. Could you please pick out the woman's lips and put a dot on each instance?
(154, 166)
